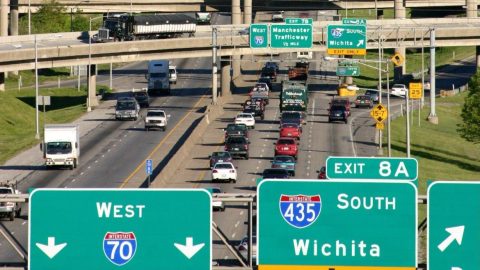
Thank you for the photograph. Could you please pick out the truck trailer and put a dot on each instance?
(61, 145)
(126, 27)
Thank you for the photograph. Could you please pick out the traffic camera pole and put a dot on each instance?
(432, 118)
(214, 65)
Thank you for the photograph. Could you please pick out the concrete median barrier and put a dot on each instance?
(211, 114)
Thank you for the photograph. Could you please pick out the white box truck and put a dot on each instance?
(158, 77)
(61, 145)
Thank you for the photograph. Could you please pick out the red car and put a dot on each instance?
(286, 147)
(322, 173)
(291, 130)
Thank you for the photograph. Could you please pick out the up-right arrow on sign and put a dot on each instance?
(453, 225)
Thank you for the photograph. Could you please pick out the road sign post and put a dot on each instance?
(371, 168)
(258, 36)
(336, 225)
(453, 225)
(291, 35)
(347, 39)
(148, 170)
(108, 228)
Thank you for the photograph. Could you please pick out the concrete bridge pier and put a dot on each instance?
(4, 10)
(400, 13)
(226, 77)
(472, 9)
(2, 81)
(236, 19)
(13, 17)
(92, 88)
(247, 12)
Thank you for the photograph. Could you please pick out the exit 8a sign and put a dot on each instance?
(380, 168)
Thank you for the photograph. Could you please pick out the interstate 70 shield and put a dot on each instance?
(300, 211)
(119, 247)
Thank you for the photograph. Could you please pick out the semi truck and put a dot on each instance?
(61, 145)
(294, 97)
(158, 77)
(126, 27)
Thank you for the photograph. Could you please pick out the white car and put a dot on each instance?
(243, 247)
(172, 74)
(156, 119)
(399, 90)
(245, 118)
(224, 171)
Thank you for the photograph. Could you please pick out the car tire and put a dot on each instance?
(246, 157)
(75, 163)
(253, 127)
(293, 174)
(18, 213)
(146, 128)
(346, 121)
(12, 216)
(222, 209)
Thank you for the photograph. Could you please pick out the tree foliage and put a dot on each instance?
(470, 128)
(51, 17)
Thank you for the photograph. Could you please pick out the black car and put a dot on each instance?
(292, 117)
(373, 94)
(269, 72)
(237, 146)
(272, 65)
(338, 113)
(142, 98)
(236, 130)
(275, 174)
(255, 110)
(221, 156)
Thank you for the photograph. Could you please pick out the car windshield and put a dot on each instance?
(291, 116)
(221, 154)
(398, 86)
(244, 116)
(158, 75)
(289, 125)
(340, 101)
(236, 140)
(156, 113)
(363, 97)
(285, 141)
(268, 173)
(125, 105)
(5, 191)
(371, 93)
(236, 127)
(223, 166)
(140, 94)
(59, 147)
(283, 159)
(338, 108)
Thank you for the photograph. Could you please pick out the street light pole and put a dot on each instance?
(407, 123)
(389, 131)
(89, 66)
(37, 132)
(29, 19)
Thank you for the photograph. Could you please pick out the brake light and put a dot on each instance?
(246, 146)
(214, 171)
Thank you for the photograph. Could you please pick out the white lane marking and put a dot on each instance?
(225, 258)
(115, 144)
(309, 156)
(125, 134)
(308, 161)
(96, 161)
(236, 224)
(241, 213)
(103, 155)
(259, 161)
(264, 145)
(233, 235)
(308, 168)
(253, 178)
(309, 145)
(308, 174)
(73, 180)
(263, 150)
(258, 167)
(261, 155)
(88, 167)
(81, 173)
(13, 233)
(265, 140)
(23, 223)
(108, 150)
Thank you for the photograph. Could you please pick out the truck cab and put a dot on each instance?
(9, 209)
(158, 77)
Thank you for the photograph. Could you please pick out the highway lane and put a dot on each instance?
(115, 148)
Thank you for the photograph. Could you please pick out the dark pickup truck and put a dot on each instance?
(236, 130)
(237, 146)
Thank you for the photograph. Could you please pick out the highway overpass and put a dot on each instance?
(413, 33)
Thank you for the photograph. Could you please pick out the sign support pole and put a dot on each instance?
(407, 123)
(37, 133)
(432, 118)
(389, 132)
(380, 133)
(214, 66)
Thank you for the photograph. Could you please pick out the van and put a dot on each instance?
(172, 74)
(304, 55)
(158, 77)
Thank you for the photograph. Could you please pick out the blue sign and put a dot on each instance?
(300, 211)
(119, 247)
(148, 168)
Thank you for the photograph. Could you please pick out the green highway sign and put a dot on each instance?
(348, 71)
(258, 36)
(104, 229)
(291, 35)
(453, 225)
(347, 39)
(336, 225)
(380, 168)
(298, 20)
(356, 21)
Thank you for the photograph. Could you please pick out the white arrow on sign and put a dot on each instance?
(51, 249)
(189, 250)
(456, 268)
(456, 233)
(360, 42)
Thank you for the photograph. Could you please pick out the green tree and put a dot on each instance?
(470, 128)
(51, 17)
(79, 21)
